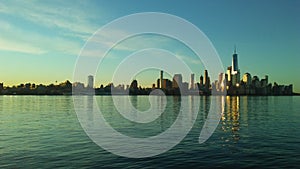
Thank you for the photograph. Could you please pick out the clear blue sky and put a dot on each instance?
(40, 40)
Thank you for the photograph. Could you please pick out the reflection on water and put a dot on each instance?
(230, 118)
(140, 103)
(90, 109)
(1, 104)
(236, 114)
(170, 107)
(44, 132)
(204, 106)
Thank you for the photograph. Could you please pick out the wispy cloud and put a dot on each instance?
(121, 41)
(62, 27)
(65, 27)
(15, 39)
(57, 15)
(7, 45)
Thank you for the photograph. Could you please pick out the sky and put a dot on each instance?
(40, 41)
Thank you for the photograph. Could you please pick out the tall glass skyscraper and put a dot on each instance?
(235, 67)
(235, 72)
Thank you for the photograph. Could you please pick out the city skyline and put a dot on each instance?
(228, 83)
(40, 41)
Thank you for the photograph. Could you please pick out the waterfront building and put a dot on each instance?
(206, 81)
(90, 83)
(264, 82)
(133, 89)
(235, 72)
(1, 88)
(78, 86)
(184, 88)
(166, 84)
(192, 81)
(134, 84)
(255, 82)
(235, 67)
(201, 81)
(177, 81)
(161, 78)
(221, 84)
(229, 74)
(247, 79)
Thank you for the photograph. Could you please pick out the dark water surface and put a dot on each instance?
(44, 132)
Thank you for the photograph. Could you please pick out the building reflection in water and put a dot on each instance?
(205, 106)
(90, 110)
(194, 102)
(1, 103)
(231, 118)
(134, 102)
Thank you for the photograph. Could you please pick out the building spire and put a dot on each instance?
(234, 49)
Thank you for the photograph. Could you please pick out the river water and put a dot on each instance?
(44, 132)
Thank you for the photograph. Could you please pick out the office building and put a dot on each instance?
(201, 81)
(235, 68)
(192, 81)
(206, 80)
(247, 79)
(134, 84)
(1, 87)
(235, 72)
(166, 84)
(205, 77)
(229, 74)
(161, 78)
(90, 82)
(177, 81)
(221, 83)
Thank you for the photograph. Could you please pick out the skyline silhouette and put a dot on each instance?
(228, 83)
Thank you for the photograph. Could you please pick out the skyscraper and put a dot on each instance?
(247, 79)
(158, 83)
(221, 82)
(1, 87)
(235, 72)
(192, 81)
(205, 77)
(90, 81)
(201, 80)
(221, 78)
(235, 67)
(177, 81)
(161, 78)
(166, 84)
(229, 74)
(206, 80)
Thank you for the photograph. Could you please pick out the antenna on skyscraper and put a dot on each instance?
(234, 49)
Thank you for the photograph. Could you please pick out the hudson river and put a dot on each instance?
(44, 132)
